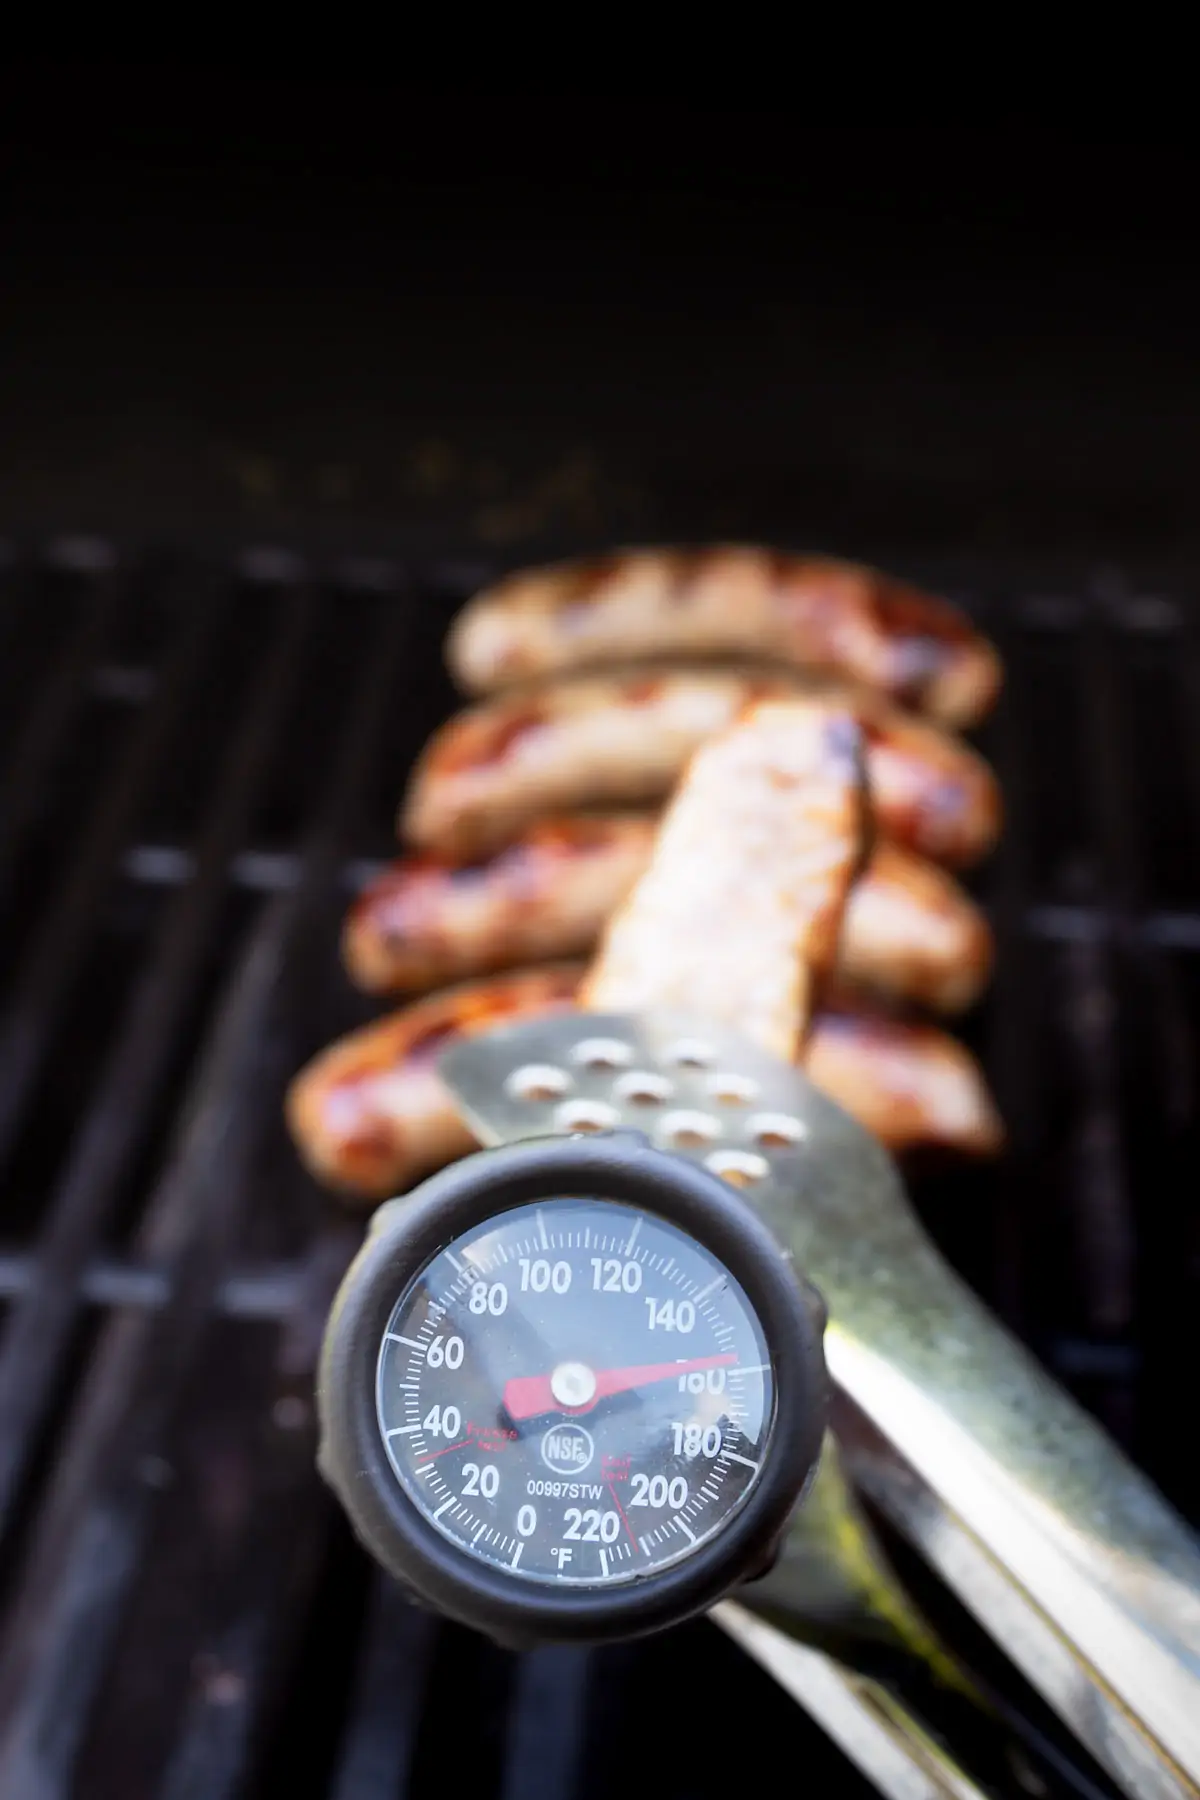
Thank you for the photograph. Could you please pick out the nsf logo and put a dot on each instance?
(567, 1449)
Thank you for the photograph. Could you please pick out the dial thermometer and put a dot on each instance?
(572, 1388)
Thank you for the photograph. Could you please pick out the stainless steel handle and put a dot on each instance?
(866, 1721)
(1094, 1583)
(830, 1582)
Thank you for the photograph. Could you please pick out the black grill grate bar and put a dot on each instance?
(259, 871)
(1165, 1145)
(1189, 714)
(546, 1724)
(50, 963)
(270, 1580)
(266, 1293)
(38, 1332)
(92, 1523)
(1151, 930)
(1013, 1050)
(380, 1739)
(275, 871)
(272, 1575)
(1105, 1233)
(51, 719)
(128, 684)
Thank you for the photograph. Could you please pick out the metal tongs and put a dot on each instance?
(1063, 1551)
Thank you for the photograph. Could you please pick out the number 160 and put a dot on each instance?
(700, 1380)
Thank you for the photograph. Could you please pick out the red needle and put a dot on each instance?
(527, 1395)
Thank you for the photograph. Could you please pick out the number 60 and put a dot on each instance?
(448, 1351)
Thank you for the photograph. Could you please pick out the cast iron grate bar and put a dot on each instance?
(93, 1520)
(270, 1583)
(37, 1331)
(1099, 1194)
(387, 1697)
(544, 1750)
(52, 716)
(1013, 1045)
(1119, 991)
(1165, 1140)
(32, 1007)
(265, 1293)
(273, 871)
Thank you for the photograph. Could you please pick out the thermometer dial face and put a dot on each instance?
(575, 1391)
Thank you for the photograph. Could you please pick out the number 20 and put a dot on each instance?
(484, 1481)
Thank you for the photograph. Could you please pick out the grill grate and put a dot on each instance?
(197, 761)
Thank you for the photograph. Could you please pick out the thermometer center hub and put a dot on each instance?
(573, 1384)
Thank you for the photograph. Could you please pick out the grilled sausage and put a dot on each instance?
(625, 740)
(742, 900)
(807, 612)
(909, 931)
(765, 814)
(426, 920)
(913, 1086)
(371, 1116)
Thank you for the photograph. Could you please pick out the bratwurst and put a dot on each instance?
(810, 613)
(910, 930)
(624, 740)
(740, 907)
(370, 1114)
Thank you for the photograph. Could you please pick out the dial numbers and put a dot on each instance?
(575, 1391)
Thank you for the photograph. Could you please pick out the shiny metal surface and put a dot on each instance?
(1062, 1549)
(831, 1585)
(865, 1719)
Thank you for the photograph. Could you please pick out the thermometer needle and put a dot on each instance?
(525, 1396)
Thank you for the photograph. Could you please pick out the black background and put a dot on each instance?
(299, 301)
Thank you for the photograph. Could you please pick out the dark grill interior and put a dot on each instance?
(197, 761)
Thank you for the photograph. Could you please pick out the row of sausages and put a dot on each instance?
(520, 856)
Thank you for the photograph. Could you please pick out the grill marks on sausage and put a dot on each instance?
(909, 930)
(744, 893)
(427, 920)
(409, 899)
(370, 1115)
(484, 740)
(625, 739)
(914, 1087)
(811, 613)
(480, 741)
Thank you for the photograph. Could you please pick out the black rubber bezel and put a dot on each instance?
(619, 1166)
